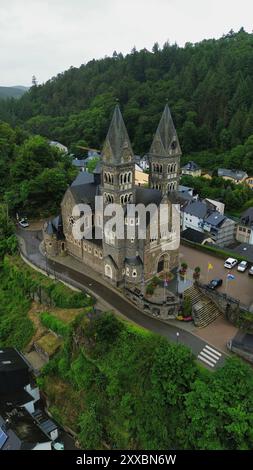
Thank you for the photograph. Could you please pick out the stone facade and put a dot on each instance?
(126, 261)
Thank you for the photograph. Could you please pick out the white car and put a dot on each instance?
(242, 266)
(230, 263)
(24, 223)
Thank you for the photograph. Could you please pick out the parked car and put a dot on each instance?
(242, 266)
(214, 284)
(230, 263)
(250, 273)
(23, 223)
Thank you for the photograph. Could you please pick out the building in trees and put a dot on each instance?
(129, 259)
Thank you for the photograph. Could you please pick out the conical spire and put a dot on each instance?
(165, 142)
(117, 147)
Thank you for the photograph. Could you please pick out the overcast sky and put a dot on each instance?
(45, 37)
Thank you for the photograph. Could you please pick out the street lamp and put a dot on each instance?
(177, 336)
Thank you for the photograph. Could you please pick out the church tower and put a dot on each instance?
(117, 186)
(164, 156)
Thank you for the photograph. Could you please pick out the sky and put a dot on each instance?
(46, 37)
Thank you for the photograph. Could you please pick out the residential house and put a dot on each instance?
(195, 236)
(244, 232)
(143, 162)
(203, 216)
(22, 424)
(249, 182)
(141, 178)
(59, 146)
(236, 176)
(220, 228)
(191, 168)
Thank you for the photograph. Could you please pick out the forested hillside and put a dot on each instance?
(209, 87)
(12, 91)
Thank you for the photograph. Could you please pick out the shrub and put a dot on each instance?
(187, 306)
(54, 324)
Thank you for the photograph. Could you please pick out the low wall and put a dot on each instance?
(163, 310)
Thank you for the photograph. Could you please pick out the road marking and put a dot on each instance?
(209, 356)
(205, 360)
(214, 350)
(216, 357)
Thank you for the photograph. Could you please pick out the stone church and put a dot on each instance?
(121, 260)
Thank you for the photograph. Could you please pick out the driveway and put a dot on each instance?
(241, 288)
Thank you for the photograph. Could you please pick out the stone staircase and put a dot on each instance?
(203, 309)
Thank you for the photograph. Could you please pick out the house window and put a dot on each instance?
(96, 253)
(134, 273)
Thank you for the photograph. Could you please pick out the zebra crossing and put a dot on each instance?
(209, 356)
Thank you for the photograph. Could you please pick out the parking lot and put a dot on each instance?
(240, 288)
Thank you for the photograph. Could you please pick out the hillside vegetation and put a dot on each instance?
(135, 390)
(11, 92)
(209, 87)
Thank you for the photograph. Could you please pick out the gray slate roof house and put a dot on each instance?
(237, 175)
(191, 166)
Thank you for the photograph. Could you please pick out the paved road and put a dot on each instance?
(214, 359)
(241, 288)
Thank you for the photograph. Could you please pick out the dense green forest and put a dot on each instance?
(33, 174)
(209, 87)
(12, 91)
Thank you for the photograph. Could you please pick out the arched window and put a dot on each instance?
(125, 177)
(130, 197)
(105, 177)
(108, 271)
(129, 177)
(161, 169)
(121, 178)
(169, 168)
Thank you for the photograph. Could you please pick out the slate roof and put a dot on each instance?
(165, 142)
(197, 208)
(194, 236)
(11, 360)
(117, 143)
(247, 217)
(79, 163)
(234, 174)
(191, 166)
(133, 261)
(84, 193)
(246, 250)
(148, 196)
(83, 178)
(215, 219)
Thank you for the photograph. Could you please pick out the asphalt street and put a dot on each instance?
(30, 241)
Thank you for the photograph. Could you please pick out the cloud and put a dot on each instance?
(45, 37)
